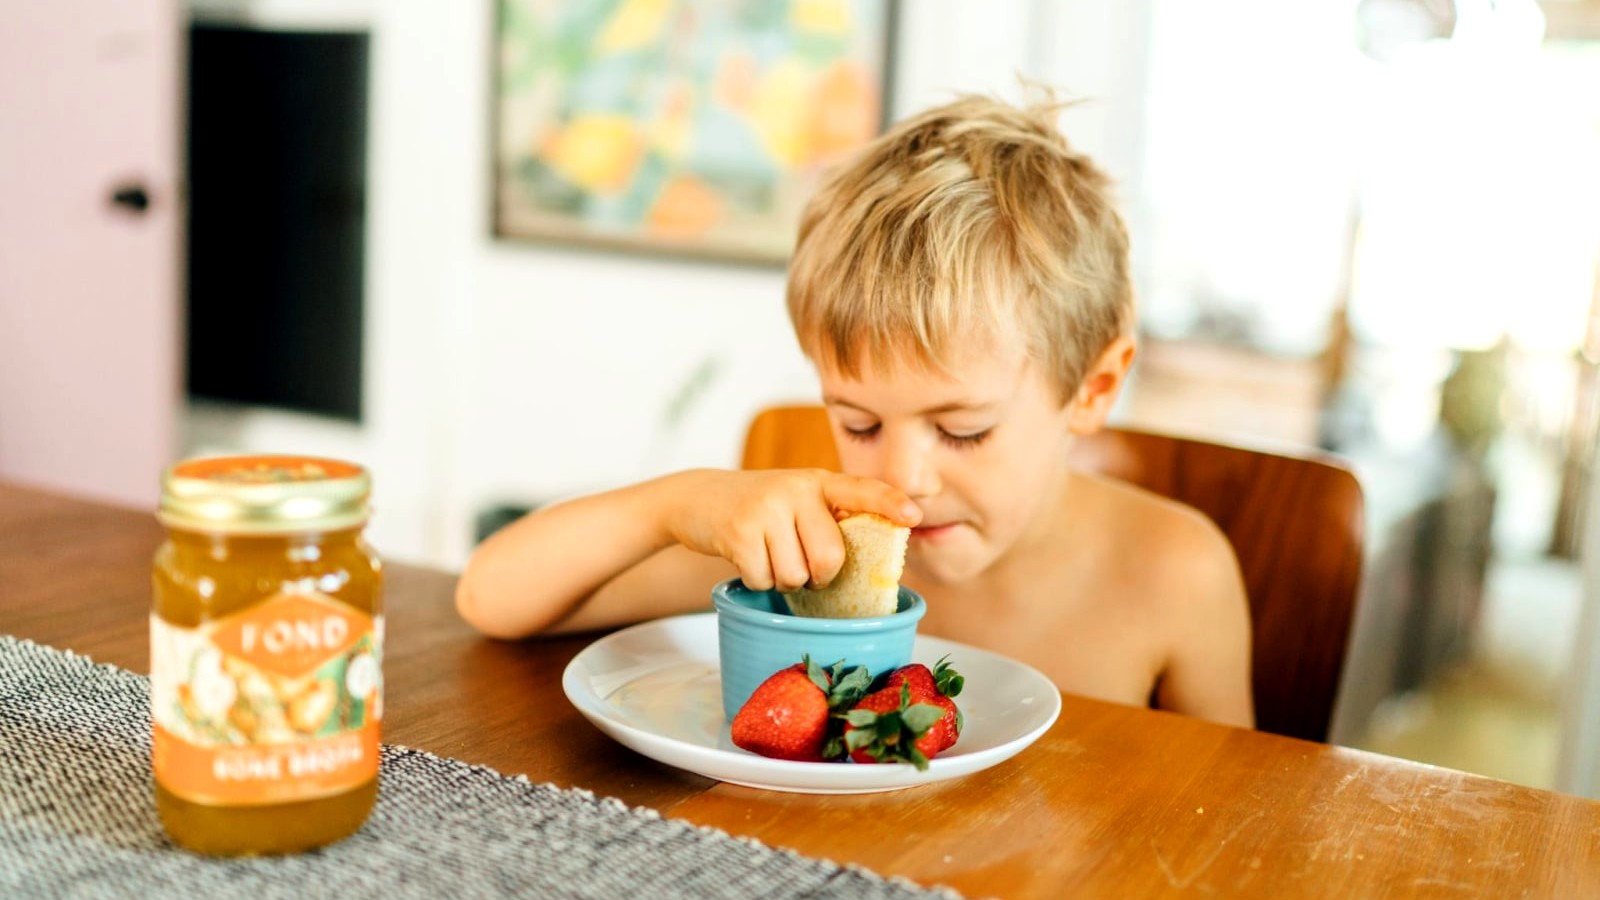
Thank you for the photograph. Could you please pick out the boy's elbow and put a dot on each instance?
(466, 607)
(470, 607)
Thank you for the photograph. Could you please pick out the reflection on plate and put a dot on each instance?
(654, 688)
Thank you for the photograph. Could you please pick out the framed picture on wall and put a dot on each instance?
(691, 127)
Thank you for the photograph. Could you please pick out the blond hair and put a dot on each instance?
(973, 219)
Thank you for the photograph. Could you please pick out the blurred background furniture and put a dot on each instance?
(1295, 520)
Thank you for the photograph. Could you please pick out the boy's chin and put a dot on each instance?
(944, 562)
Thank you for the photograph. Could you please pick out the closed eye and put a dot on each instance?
(959, 441)
(965, 441)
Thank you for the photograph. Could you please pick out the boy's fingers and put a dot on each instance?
(858, 494)
(754, 569)
(823, 545)
(788, 562)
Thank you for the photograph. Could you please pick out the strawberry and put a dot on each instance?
(885, 726)
(942, 680)
(936, 687)
(787, 717)
(916, 675)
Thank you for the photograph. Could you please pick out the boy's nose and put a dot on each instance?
(908, 465)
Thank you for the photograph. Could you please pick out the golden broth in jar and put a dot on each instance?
(266, 636)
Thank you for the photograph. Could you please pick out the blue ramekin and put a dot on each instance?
(757, 636)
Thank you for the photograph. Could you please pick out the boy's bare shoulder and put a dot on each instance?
(1169, 550)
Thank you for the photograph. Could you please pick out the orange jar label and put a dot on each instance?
(275, 704)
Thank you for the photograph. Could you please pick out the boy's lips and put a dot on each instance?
(933, 531)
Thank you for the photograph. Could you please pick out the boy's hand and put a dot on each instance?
(778, 526)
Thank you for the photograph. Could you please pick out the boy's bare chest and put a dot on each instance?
(1089, 642)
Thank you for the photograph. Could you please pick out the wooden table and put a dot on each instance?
(1113, 801)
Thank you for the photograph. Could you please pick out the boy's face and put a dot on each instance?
(981, 449)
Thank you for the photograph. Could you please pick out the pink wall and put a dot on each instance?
(90, 349)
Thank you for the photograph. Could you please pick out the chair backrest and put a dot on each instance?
(1295, 520)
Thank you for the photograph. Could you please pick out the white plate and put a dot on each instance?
(654, 688)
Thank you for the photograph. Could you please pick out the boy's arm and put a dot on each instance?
(535, 572)
(1208, 673)
(656, 548)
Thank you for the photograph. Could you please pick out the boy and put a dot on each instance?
(962, 288)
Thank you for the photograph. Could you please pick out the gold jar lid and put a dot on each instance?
(264, 494)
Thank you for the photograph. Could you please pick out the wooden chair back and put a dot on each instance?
(1295, 520)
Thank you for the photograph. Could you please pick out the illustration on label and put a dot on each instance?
(278, 703)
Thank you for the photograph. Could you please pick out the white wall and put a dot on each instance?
(513, 371)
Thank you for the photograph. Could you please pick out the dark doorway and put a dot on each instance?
(277, 217)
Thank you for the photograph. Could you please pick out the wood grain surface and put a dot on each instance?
(1113, 801)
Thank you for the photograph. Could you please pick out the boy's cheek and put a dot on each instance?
(858, 459)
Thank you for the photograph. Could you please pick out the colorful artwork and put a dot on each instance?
(686, 126)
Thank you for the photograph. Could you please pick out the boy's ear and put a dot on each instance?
(1101, 384)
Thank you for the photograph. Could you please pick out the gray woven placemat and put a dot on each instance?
(77, 820)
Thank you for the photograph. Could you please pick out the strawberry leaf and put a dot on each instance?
(845, 687)
(920, 717)
(861, 718)
(887, 728)
(849, 688)
(861, 737)
(946, 678)
(817, 674)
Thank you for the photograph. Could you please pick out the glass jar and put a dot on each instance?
(266, 636)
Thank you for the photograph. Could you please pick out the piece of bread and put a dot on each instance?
(869, 582)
